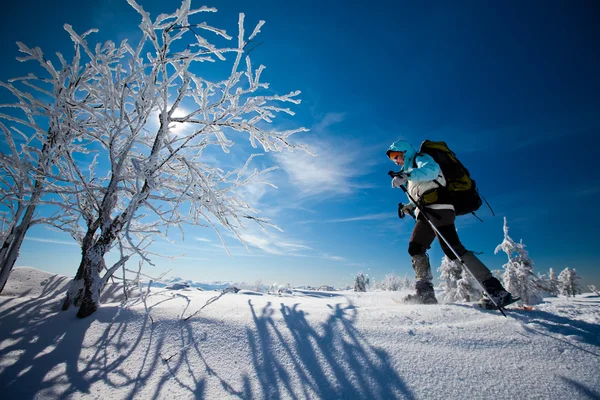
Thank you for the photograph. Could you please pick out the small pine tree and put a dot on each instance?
(575, 282)
(543, 283)
(361, 282)
(518, 277)
(467, 288)
(459, 285)
(450, 275)
(569, 282)
(553, 286)
(407, 284)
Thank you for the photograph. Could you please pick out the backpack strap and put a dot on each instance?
(486, 202)
(415, 166)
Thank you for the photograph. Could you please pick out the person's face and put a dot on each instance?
(398, 158)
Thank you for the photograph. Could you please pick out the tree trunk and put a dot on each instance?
(92, 283)
(13, 242)
(75, 291)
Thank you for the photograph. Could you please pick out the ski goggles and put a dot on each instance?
(393, 154)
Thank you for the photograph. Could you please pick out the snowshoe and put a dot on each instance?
(501, 298)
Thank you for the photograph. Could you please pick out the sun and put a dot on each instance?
(178, 128)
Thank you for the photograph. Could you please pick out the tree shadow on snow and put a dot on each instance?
(40, 340)
(51, 354)
(330, 359)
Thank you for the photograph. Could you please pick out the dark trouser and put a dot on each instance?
(422, 237)
(423, 234)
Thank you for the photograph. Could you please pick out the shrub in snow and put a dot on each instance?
(391, 282)
(361, 282)
(568, 282)
(518, 277)
(594, 289)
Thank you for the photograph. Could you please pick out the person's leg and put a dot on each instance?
(420, 241)
(445, 226)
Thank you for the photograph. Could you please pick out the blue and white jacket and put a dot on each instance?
(420, 178)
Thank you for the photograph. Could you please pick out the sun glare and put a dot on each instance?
(178, 128)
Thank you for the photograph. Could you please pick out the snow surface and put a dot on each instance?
(306, 344)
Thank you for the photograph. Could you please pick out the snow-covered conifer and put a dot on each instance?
(361, 282)
(569, 282)
(450, 275)
(518, 277)
(543, 284)
(459, 285)
(553, 284)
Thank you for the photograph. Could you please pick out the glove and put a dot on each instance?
(399, 180)
(403, 210)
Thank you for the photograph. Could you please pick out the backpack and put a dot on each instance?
(460, 190)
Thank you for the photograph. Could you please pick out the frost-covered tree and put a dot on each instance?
(543, 284)
(160, 175)
(391, 282)
(361, 282)
(258, 286)
(518, 277)
(459, 285)
(407, 284)
(569, 282)
(450, 274)
(553, 284)
(594, 290)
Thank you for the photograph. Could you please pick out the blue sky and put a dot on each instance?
(513, 88)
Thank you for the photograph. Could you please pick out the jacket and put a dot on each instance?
(421, 178)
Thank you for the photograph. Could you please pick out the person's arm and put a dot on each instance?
(427, 169)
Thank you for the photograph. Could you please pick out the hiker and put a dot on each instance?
(425, 181)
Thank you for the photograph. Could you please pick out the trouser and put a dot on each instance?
(423, 234)
(422, 237)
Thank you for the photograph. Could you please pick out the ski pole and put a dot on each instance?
(391, 173)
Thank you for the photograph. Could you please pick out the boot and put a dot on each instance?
(496, 292)
(425, 293)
